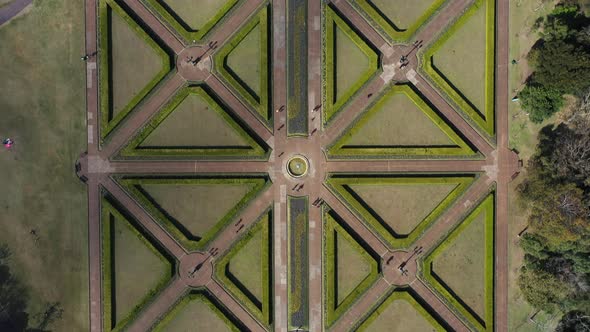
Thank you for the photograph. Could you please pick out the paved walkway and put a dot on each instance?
(497, 166)
(12, 9)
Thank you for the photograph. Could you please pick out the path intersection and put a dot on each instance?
(398, 268)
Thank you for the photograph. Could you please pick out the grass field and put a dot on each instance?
(246, 270)
(194, 124)
(351, 63)
(246, 265)
(403, 206)
(400, 313)
(461, 266)
(42, 107)
(193, 14)
(195, 312)
(399, 122)
(363, 195)
(352, 268)
(198, 207)
(133, 63)
(339, 293)
(197, 316)
(402, 13)
(466, 48)
(523, 137)
(244, 60)
(137, 270)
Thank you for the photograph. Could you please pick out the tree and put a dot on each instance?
(564, 152)
(574, 321)
(542, 290)
(533, 245)
(13, 298)
(562, 66)
(540, 102)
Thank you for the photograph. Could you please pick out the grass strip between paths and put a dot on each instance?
(484, 119)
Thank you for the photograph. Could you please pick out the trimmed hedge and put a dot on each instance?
(263, 225)
(339, 147)
(260, 103)
(485, 120)
(333, 20)
(488, 206)
(195, 296)
(131, 185)
(337, 185)
(106, 123)
(400, 294)
(388, 27)
(133, 149)
(333, 311)
(182, 28)
(107, 213)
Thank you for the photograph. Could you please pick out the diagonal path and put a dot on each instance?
(163, 302)
(359, 22)
(140, 10)
(140, 116)
(357, 225)
(441, 21)
(236, 106)
(143, 217)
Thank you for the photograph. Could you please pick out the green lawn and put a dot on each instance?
(523, 137)
(195, 313)
(42, 108)
(403, 205)
(194, 123)
(344, 258)
(246, 265)
(352, 267)
(196, 14)
(402, 13)
(466, 48)
(400, 313)
(461, 265)
(398, 121)
(246, 270)
(198, 207)
(351, 63)
(197, 316)
(133, 63)
(137, 269)
(244, 60)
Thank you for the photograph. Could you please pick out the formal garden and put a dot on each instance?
(233, 216)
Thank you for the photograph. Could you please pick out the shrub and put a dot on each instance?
(540, 102)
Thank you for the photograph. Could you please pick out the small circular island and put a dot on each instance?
(297, 166)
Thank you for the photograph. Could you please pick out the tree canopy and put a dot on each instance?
(560, 60)
(556, 271)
